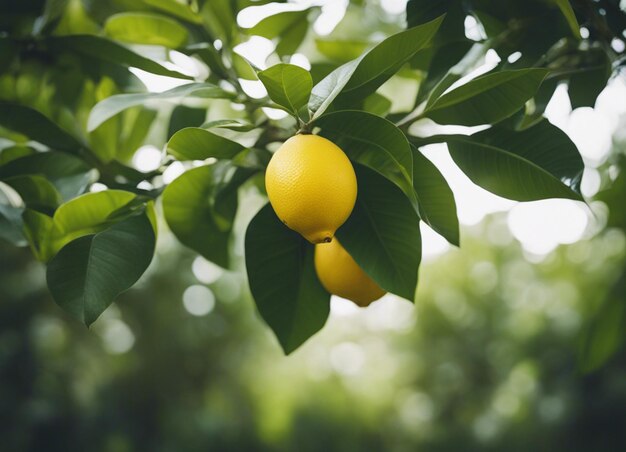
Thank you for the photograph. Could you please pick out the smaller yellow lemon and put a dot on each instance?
(312, 186)
(341, 275)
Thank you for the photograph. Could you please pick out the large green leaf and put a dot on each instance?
(88, 274)
(357, 79)
(374, 142)
(200, 211)
(289, 27)
(37, 127)
(383, 234)
(288, 85)
(486, 99)
(536, 163)
(146, 28)
(282, 280)
(113, 105)
(87, 214)
(193, 143)
(437, 206)
(69, 174)
(110, 52)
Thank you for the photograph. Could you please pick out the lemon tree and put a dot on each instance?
(329, 149)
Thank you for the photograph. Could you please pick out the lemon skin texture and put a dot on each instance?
(341, 275)
(312, 186)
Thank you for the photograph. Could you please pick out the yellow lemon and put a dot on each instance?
(341, 275)
(312, 186)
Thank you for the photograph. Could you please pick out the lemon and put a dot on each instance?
(341, 275)
(312, 186)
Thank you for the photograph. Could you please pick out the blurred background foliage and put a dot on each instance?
(503, 350)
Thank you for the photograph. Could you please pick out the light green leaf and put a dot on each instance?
(87, 214)
(374, 142)
(536, 163)
(383, 234)
(113, 105)
(487, 99)
(283, 282)
(88, 274)
(357, 79)
(146, 28)
(288, 85)
(341, 50)
(193, 143)
(437, 206)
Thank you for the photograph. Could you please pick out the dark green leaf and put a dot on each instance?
(183, 116)
(69, 174)
(110, 52)
(536, 163)
(383, 234)
(487, 99)
(37, 127)
(358, 78)
(437, 206)
(199, 213)
(288, 85)
(568, 12)
(198, 144)
(374, 142)
(36, 192)
(88, 274)
(282, 280)
(146, 28)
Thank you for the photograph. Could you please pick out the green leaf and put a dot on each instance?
(11, 153)
(193, 143)
(374, 142)
(568, 12)
(437, 206)
(357, 79)
(86, 214)
(184, 116)
(341, 50)
(110, 52)
(383, 234)
(452, 27)
(275, 25)
(146, 28)
(200, 213)
(486, 99)
(113, 105)
(36, 126)
(69, 174)
(88, 274)
(377, 104)
(288, 85)
(11, 223)
(536, 163)
(36, 227)
(282, 280)
(176, 9)
(36, 192)
(136, 125)
(243, 68)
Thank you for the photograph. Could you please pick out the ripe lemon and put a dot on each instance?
(341, 275)
(312, 186)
